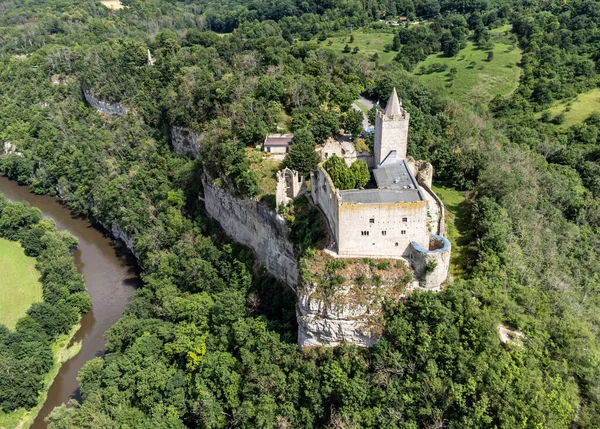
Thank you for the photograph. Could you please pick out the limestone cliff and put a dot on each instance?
(101, 105)
(341, 300)
(253, 224)
(119, 234)
(185, 141)
(327, 322)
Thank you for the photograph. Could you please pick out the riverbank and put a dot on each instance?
(63, 351)
(111, 278)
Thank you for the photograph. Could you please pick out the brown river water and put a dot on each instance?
(111, 279)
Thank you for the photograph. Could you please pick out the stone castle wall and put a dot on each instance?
(435, 259)
(325, 196)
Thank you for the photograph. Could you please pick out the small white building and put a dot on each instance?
(278, 144)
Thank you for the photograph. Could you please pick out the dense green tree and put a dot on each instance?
(302, 156)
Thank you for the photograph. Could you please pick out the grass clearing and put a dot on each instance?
(19, 283)
(22, 418)
(112, 4)
(266, 169)
(458, 229)
(476, 80)
(578, 109)
(368, 44)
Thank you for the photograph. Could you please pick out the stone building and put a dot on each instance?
(394, 218)
(278, 145)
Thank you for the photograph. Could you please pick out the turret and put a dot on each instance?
(391, 130)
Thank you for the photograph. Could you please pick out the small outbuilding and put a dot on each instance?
(278, 143)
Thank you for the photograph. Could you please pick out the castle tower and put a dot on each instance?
(391, 130)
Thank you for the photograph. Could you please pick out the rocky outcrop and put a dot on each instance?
(253, 224)
(101, 105)
(185, 141)
(327, 322)
(118, 234)
(10, 148)
(341, 300)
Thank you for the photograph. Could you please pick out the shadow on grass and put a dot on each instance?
(459, 231)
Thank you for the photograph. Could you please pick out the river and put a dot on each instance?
(111, 280)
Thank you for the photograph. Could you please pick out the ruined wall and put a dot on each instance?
(101, 105)
(325, 196)
(252, 224)
(185, 141)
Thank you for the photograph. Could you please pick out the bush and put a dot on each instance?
(560, 118)
(383, 265)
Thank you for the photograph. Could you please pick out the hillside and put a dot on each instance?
(210, 339)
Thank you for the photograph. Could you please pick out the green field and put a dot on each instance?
(578, 109)
(457, 228)
(368, 44)
(19, 283)
(476, 79)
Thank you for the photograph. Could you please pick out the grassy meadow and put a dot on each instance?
(19, 284)
(457, 228)
(578, 109)
(476, 80)
(368, 44)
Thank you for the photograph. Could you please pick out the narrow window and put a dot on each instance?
(403, 232)
(404, 219)
(383, 232)
(365, 233)
(372, 220)
(396, 244)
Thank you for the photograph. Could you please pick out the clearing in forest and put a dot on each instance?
(367, 43)
(19, 283)
(112, 4)
(458, 229)
(578, 109)
(473, 77)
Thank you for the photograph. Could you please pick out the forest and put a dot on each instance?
(209, 341)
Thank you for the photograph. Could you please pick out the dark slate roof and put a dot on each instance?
(394, 174)
(395, 184)
(278, 141)
(381, 196)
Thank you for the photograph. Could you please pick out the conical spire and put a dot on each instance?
(393, 107)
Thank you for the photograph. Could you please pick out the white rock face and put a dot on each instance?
(185, 141)
(102, 105)
(252, 224)
(331, 324)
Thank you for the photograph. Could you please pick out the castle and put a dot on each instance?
(401, 217)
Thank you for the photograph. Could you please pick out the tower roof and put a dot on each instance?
(393, 108)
